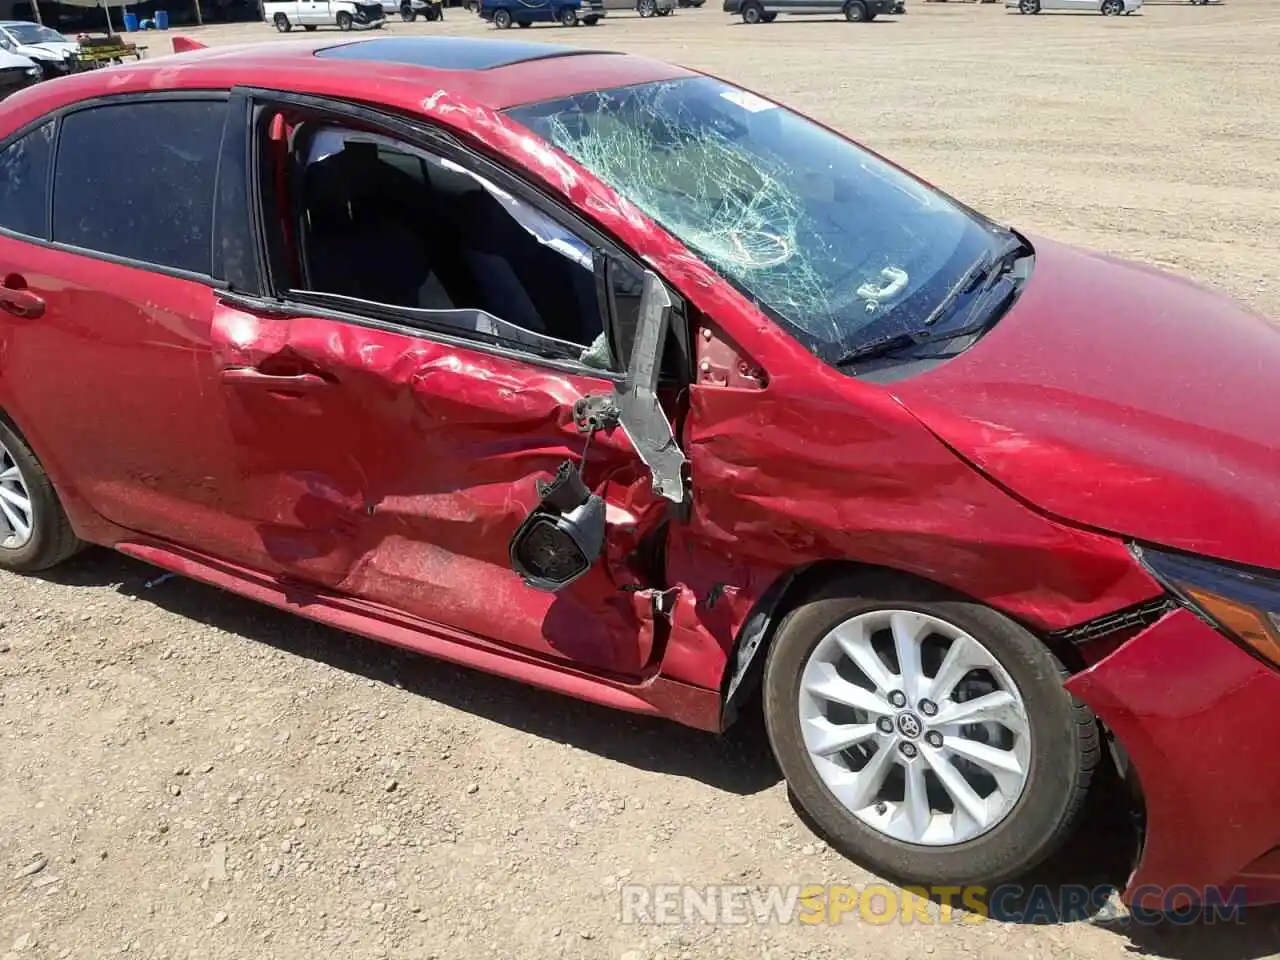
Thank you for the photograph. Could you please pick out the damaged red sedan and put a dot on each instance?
(616, 378)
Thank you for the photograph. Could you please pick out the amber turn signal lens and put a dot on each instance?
(1254, 627)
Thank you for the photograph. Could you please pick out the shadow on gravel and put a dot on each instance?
(738, 762)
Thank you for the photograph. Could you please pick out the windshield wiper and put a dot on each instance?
(913, 338)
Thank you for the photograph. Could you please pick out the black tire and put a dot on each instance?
(1065, 746)
(567, 16)
(753, 13)
(52, 539)
(855, 11)
(590, 21)
(1029, 6)
(344, 20)
(282, 23)
(646, 8)
(769, 18)
(502, 19)
(1112, 8)
(309, 27)
(408, 14)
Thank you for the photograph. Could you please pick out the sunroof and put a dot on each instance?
(449, 53)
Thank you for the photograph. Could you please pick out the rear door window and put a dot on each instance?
(136, 180)
(24, 180)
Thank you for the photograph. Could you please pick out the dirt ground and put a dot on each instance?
(204, 777)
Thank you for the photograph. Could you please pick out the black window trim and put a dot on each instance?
(422, 135)
(207, 279)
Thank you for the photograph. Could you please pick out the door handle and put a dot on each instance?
(15, 298)
(296, 383)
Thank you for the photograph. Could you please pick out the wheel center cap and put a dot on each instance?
(909, 725)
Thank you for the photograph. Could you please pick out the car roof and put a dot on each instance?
(497, 73)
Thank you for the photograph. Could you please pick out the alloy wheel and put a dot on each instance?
(17, 514)
(914, 727)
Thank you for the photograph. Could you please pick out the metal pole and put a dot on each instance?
(199, 15)
(35, 7)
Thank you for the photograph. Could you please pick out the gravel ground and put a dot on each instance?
(186, 774)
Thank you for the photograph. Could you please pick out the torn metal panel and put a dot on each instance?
(403, 484)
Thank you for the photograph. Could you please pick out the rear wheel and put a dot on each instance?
(568, 17)
(928, 736)
(1029, 6)
(282, 23)
(502, 19)
(344, 20)
(1112, 8)
(646, 8)
(753, 13)
(35, 533)
(408, 14)
(855, 11)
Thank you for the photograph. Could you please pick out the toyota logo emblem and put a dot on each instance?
(909, 725)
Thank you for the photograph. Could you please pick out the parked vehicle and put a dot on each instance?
(1109, 8)
(766, 11)
(16, 72)
(705, 401)
(284, 15)
(411, 10)
(525, 13)
(652, 8)
(51, 51)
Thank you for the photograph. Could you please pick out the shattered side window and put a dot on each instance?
(24, 178)
(835, 243)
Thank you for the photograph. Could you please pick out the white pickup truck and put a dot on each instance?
(284, 15)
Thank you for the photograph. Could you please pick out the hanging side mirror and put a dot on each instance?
(564, 535)
(560, 540)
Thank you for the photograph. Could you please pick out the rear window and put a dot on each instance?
(136, 180)
(24, 182)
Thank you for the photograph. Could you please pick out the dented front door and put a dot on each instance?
(396, 468)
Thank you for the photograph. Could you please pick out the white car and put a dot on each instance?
(16, 72)
(284, 15)
(47, 47)
(1108, 8)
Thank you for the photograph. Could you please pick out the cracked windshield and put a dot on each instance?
(836, 244)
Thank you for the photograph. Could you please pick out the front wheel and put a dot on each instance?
(344, 20)
(568, 17)
(1112, 8)
(502, 19)
(855, 11)
(408, 14)
(282, 23)
(753, 13)
(930, 737)
(1029, 6)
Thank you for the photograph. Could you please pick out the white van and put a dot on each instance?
(284, 15)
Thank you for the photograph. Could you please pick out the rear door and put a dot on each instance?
(397, 405)
(108, 307)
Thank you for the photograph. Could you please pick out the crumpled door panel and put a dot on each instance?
(403, 477)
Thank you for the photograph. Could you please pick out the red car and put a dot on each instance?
(613, 377)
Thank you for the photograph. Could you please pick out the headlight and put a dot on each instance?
(1243, 603)
(33, 71)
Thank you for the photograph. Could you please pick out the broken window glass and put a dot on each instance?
(836, 243)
